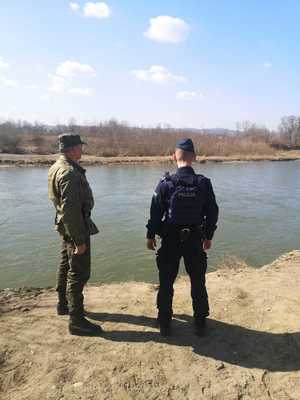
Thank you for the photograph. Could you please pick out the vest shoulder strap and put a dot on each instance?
(176, 180)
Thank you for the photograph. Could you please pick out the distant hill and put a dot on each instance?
(212, 131)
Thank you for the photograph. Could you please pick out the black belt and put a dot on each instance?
(184, 232)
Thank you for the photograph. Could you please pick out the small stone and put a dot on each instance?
(78, 384)
(220, 366)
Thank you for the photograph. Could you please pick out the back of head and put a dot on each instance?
(182, 155)
(185, 150)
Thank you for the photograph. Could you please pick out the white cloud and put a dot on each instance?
(3, 64)
(8, 82)
(186, 95)
(33, 87)
(69, 69)
(58, 84)
(3, 80)
(9, 114)
(167, 29)
(81, 91)
(74, 7)
(66, 78)
(267, 65)
(157, 74)
(45, 97)
(96, 10)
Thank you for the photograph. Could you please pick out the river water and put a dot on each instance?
(259, 219)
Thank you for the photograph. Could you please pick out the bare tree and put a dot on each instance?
(289, 129)
(10, 137)
(254, 132)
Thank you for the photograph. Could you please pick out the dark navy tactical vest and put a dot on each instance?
(186, 199)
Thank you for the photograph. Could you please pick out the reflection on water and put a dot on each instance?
(259, 219)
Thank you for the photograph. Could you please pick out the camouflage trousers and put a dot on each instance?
(73, 273)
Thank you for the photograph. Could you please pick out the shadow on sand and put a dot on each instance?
(224, 342)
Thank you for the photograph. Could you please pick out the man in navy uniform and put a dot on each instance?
(184, 214)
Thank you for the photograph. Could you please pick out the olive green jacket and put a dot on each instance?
(73, 200)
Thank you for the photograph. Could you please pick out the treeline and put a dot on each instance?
(113, 138)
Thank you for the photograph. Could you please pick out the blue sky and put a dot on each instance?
(185, 63)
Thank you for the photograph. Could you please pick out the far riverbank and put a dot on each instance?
(28, 160)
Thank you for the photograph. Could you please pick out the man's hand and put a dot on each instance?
(151, 244)
(81, 249)
(207, 244)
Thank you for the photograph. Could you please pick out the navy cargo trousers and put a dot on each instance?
(195, 260)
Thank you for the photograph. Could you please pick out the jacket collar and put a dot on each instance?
(185, 171)
(73, 163)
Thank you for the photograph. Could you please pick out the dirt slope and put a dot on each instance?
(251, 351)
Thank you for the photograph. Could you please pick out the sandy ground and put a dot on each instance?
(23, 160)
(251, 350)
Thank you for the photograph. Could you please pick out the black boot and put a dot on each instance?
(164, 321)
(83, 327)
(62, 309)
(62, 305)
(200, 326)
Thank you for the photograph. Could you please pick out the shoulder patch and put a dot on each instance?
(167, 176)
(68, 173)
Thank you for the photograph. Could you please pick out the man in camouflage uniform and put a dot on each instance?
(73, 200)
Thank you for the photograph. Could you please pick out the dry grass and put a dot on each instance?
(119, 140)
(232, 263)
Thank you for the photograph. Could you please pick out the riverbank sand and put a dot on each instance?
(30, 160)
(251, 350)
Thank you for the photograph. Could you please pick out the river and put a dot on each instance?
(259, 219)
